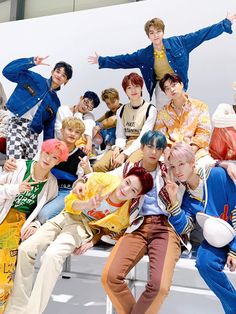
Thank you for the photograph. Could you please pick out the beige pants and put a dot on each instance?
(104, 164)
(59, 236)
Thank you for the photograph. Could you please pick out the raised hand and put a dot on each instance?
(172, 189)
(93, 59)
(25, 185)
(39, 60)
(231, 17)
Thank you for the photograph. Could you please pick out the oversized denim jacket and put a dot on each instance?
(31, 89)
(177, 50)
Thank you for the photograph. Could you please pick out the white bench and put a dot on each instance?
(187, 283)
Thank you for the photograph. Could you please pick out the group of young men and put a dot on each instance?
(148, 206)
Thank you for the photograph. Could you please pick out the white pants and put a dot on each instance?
(59, 236)
(161, 98)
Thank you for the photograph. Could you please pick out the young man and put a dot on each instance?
(223, 139)
(169, 55)
(66, 172)
(133, 120)
(23, 194)
(82, 110)
(104, 207)
(184, 119)
(33, 104)
(213, 192)
(149, 232)
(106, 124)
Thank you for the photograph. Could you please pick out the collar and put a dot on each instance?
(49, 83)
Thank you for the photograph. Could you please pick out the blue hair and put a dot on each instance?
(92, 96)
(154, 138)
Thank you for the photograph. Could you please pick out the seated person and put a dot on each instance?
(213, 192)
(184, 119)
(23, 194)
(82, 110)
(133, 120)
(105, 206)
(106, 125)
(66, 172)
(223, 139)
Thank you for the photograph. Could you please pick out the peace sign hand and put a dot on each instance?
(39, 60)
(172, 189)
(26, 186)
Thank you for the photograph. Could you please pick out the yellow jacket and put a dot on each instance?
(105, 184)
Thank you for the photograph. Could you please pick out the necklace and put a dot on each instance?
(159, 54)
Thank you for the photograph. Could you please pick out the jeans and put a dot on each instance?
(210, 264)
(54, 207)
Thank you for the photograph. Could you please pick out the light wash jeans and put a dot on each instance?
(54, 207)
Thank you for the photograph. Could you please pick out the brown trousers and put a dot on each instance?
(156, 238)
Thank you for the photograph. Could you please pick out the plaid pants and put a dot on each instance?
(22, 143)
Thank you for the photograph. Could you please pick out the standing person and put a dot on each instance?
(105, 205)
(211, 191)
(170, 55)
(33, 104)
(83, 111)
(106, 124)
(133, 120)
(184, 119)
(149, 233)
(23, 194)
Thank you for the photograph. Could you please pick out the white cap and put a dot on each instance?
(216, 231)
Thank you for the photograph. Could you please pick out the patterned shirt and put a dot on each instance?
(192, 126)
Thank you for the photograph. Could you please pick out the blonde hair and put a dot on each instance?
(110, 93)
(74, 123)
(156, 23)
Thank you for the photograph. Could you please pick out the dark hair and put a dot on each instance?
(67, 68)
(93, 97)
(174, 78)
(132, 78)
(145, 178)
(154, 137)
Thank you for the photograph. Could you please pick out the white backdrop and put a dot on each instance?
(119, 29)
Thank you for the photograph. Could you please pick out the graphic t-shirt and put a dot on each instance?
(27, 201)
(106, 207)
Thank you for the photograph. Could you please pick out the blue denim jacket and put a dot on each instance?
(177, 50)
(32, 88)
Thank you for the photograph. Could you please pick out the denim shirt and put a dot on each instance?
(177, 50)
(31, 89)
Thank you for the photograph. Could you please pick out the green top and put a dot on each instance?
(27, 201)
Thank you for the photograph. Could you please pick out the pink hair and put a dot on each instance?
(182, 151)
(55, 146)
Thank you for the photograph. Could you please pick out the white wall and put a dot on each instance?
(119, 29)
